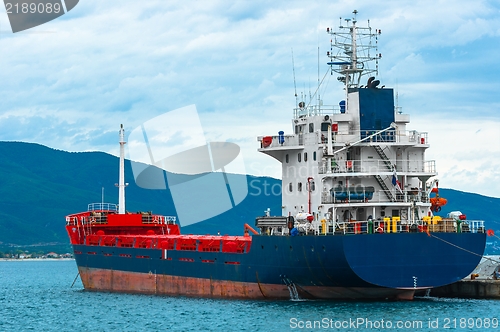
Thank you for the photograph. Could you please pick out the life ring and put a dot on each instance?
(379, 229)
(156, 219)
(266, 141)
(490, 232)
(92, 220)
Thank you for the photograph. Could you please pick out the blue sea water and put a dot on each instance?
(37, 296)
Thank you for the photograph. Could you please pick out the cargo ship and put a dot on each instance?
(359, 211)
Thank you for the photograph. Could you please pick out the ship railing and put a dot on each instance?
(72, 220)
(407, 136)
(413, 136)
(430, 166)
(361, 195)
(377, 166)
(148, 218)
(103, 207)
(398, 136)
(395, 225)
(390, 136)
(473, 226)
(95, 218)
(344, 137)
(101, 218)
(280, 141)
(313, 110)
(379, 196)
(348, 136)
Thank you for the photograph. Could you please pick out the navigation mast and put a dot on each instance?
(350, 51)
(121, 181)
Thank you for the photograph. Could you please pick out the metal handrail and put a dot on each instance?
(397, 226)
(102, 219)
(103, 207)
(375, 166)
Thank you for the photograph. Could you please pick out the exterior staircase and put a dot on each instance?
(383, 156)
(388, 165)
(384, 187)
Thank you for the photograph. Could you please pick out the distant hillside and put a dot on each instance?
(474, 206)
(39, 186)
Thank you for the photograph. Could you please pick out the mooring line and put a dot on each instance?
(466, 250)
(498, 237)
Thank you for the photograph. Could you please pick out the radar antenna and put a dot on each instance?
(351, 50)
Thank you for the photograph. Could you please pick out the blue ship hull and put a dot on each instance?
(340, 266)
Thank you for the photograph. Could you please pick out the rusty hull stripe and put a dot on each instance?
(152, 283)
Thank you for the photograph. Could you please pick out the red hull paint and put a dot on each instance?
(132, 282)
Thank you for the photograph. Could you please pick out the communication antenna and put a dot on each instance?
(398, 109)
(310, 94)
(319, 97)
(294, 83)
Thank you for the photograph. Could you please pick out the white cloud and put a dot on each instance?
(69, 83)
(467, 152)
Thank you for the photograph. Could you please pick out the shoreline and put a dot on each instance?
(34, 259)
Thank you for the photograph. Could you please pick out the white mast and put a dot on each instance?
(354, 49)
(353, 45)
(121, 181)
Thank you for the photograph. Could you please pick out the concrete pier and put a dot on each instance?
(482, 283)
(470, 289)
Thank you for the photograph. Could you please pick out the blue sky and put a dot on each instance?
(68, 84)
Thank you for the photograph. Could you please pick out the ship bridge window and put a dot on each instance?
(286, 158)
(324, 126)
(314, 155)
(290, 187)
(299, 157)
(311, 127)
(299, 187)
(299, 129)
(305, 156)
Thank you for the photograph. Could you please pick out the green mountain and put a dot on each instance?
(474, 206)
(39, 186)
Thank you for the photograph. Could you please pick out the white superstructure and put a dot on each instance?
(357, 161)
